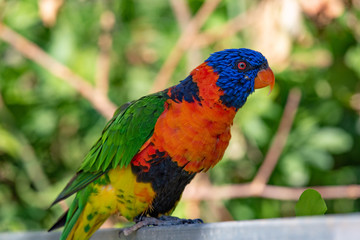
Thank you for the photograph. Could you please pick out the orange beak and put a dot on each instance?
(265, 77)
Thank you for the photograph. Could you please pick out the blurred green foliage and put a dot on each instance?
(46, 127)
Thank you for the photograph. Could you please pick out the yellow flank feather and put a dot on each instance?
(133, 197)
(122, 195)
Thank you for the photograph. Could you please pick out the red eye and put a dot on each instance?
(241, 65)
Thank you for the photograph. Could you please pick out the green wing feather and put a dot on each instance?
(131, 126)
(79, 181)
(125, 134)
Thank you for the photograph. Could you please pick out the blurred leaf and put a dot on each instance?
(295, 173)
(8, 143)
(42, 122)
(334, 140)
(256, 130)
(310, 203)
(241, 211)
(329, 112)
(23, 14)
(317, 158)
(352, 58)
(62, 44)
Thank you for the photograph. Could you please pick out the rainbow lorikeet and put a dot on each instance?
(153, 147)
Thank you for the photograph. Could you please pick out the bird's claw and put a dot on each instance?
(178, 221)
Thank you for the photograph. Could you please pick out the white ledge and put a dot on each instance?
(330, 227)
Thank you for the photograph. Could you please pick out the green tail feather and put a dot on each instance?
(75, 211)
(78, 182)
(60, 222)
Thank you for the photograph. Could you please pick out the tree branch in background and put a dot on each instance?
(99, 100)
(184, 42)
(48, 11)
(277, 146)
(258, 187)
(105, 45)
(229, 29)
(182, 13)
(216, 208)
(272, 192)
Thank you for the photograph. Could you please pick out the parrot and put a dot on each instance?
(154, 146)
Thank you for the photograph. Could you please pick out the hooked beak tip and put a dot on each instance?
(264, 78)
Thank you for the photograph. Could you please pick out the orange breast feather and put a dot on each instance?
(194, 134)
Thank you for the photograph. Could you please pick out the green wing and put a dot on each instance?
(131, 126)
(125, 134)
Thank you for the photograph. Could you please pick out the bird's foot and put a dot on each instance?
(160, 221)
(169, 220)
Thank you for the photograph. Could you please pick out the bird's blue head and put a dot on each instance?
(240, 72)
